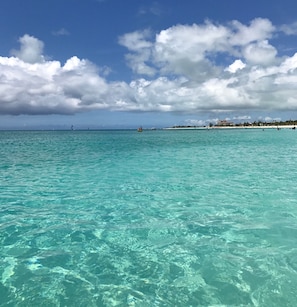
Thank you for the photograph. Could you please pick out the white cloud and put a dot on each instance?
(269, 119)
(258, 30)
(153, 9)
(243, 117)
(289, 65)
(138, 42)
(185, 68)
(48, 87)
(185, 49)
(290, 29)
(236, 65)
(195, 122)
(61, 32)
(31, 50)
(260, 53)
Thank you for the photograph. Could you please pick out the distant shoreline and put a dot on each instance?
(277, 127)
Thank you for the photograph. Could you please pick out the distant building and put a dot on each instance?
(224, 123)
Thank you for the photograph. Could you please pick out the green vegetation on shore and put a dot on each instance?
(259, 123)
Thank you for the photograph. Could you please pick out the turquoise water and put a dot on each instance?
(159, 218)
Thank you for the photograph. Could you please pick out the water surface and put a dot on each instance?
(159, 218)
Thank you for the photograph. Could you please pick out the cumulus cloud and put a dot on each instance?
(138, 43)
(187, 50)
(31, 50)
(236, 65)
(185, 68)
(261, 53)
(31, 85)
(258, 30)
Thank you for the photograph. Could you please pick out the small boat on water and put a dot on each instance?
(139, 129)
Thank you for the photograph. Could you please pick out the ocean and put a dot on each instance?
(158, 218)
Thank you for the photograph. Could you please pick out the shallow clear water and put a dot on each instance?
(159, 218)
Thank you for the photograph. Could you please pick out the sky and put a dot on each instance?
(121, 64)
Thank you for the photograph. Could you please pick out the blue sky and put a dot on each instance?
(120, 64)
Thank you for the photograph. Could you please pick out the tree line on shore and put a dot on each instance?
(289, 122)
(225, 123)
